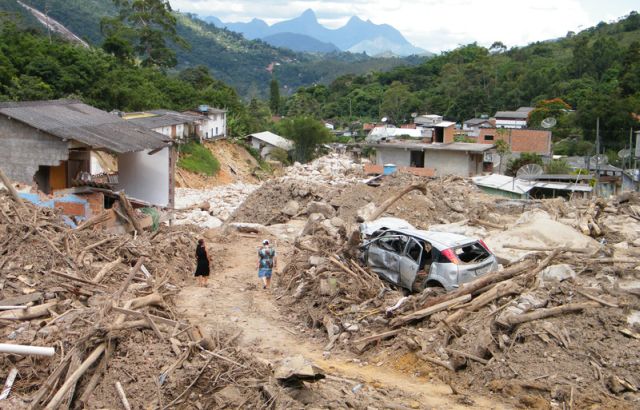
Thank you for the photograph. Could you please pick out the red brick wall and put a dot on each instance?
(521, 140)
(449, 133)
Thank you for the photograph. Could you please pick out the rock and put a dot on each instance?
(338, 222)
(230, 396)
(557, 273)
(312, 224)
(315, 260)
(365, 213)
(621, 245)
(291, 208)
(296, 369)
(323, 208)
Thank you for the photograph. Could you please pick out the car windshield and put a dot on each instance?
(472, 253)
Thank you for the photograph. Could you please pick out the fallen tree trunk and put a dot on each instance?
(128, 209)
(387, 204)
(420, 314)
(512, 320)
(379, 336)
(508, 287)
(483, 281)
(93, 221)
(106, 269)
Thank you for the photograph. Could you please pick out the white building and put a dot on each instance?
(265, 142)
(173, 124)
(213, 122)
(513, 119)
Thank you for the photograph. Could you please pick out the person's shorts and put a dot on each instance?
(264, 273)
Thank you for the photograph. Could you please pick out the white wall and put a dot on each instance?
(448, 162)
(397, 156)
(213, 126)
(500, 123)
(145, 177)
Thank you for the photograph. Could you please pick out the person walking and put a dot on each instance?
(202, 269)
(267, 261)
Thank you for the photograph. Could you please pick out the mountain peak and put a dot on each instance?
(308, 14)
(354, 20)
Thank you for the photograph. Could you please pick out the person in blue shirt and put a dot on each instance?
(267, 261)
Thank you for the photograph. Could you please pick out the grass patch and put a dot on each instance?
(197, 158)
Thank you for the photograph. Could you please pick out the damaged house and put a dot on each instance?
(49, 145)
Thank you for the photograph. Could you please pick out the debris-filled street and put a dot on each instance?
(556, 325)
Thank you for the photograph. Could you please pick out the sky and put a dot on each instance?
(434, 25)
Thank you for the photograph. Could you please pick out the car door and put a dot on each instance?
(410, 263)
(384, 253)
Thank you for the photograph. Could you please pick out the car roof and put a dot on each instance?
(441, 240)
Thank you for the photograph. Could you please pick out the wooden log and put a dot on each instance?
(99, 243)
(150, 299)
(483, 281)
(128, 209)
(127, 281)
(387, 204)
(73, 379)
(379, 336)
(508, 287)
(75, 278)
(154, 327)
(73, 366)
(94, 220)
(29, 313)
(106, 269)
(123, 396)
(421, 314)
(8, 384)
(20, 300)
(549, 249)
(12, 191)
(537, 314)
(487, 224)
(51, 381)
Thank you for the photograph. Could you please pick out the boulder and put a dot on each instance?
(312, 224)
(296, 369)
(323, 208)
(291, 208)
(557, 273)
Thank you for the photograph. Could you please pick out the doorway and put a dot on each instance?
(417, 159)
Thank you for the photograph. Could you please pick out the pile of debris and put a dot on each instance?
(102, 304)
(209, 208)
(332, 169)
(560, 323)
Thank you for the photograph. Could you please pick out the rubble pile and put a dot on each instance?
(332, 169)
(558, 324)
(102, 305)
(219, 203)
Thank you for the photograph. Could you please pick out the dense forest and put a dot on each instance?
(231, 58)
(596, 72)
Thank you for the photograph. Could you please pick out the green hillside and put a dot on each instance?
(231, 58)
(596, 71)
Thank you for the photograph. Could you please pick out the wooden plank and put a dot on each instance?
(379, 336)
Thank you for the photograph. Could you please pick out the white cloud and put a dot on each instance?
(430, 24)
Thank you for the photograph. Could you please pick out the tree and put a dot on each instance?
(306, 133)
(148, 25)
(497, 47)
(274, 96)
(555, 108)
(557, 167)
(502, 148)
(396, 102)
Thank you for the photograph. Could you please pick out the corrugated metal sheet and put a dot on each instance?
(165, 118)
(73, 120)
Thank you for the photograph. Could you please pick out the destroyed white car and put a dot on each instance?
(375, 228)
(415, 259)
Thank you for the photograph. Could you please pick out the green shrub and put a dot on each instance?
(197, 158)
(557, 167)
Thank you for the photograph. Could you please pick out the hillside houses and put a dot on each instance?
(205, 123)
(49, 145)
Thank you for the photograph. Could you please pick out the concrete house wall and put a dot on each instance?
(146, 177)
(458, 163)
(27, 149)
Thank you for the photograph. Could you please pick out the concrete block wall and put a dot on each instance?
(24, 149)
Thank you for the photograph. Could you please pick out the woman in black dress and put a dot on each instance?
(202, 270)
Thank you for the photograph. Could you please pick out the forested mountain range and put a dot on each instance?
(231, 58)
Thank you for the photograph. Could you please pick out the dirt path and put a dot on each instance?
(234, 298)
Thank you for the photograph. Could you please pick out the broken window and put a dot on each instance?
(472, 253)
(488, 137)
(393, 243)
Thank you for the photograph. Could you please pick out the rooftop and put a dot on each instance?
(273, 139)
(74, 120)
(453, 146)
(163, 118)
